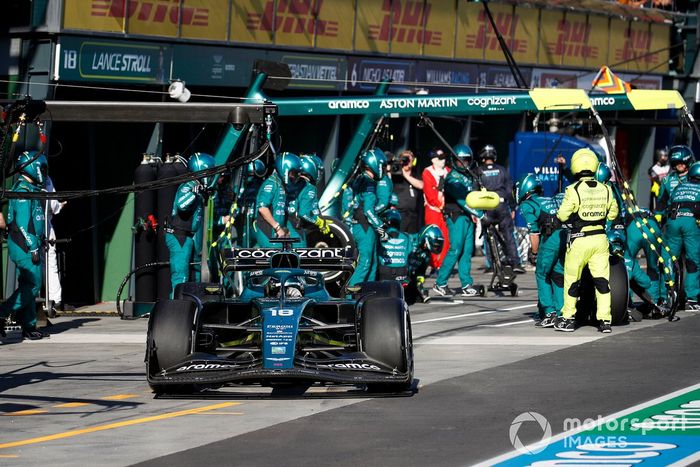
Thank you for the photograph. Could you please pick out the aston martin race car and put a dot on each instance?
(283, 328)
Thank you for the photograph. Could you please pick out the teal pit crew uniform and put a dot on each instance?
(360, 205)
(183, 234)
(25, 221)
(272, 194)
(683, 231)
(540, 214)
(460, 230)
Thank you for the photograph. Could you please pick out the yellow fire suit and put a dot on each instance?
(587, 205)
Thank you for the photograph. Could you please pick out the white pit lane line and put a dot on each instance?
(476, 313)
(512, 323)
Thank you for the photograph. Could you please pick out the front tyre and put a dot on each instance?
(169, 339)
(385, 336)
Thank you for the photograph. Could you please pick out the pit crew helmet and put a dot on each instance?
(33, 165)
(694, 172)
(255, 168)
(318, 161)
(584, 163)
(287, 167)
(375, 161)
(431, 238)
(310, 169)
(463, 158)
(680, 154)
(602, 173)
(528, 185)
(488, 152)
(616, 239)
(393, 218)
(202, 161)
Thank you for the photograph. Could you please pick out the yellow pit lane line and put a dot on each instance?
(70, 405)
(111, 426)
(22, 413)
(118, 397)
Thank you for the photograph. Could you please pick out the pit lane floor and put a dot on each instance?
(81, 396)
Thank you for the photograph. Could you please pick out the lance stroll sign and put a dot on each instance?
(105, 60)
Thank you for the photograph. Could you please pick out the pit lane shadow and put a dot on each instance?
(92, 407)
(63, 326)
(42, 372)
(51, 328)
(291, 392)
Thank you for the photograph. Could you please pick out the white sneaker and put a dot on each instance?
(469, 291)
(440, 290)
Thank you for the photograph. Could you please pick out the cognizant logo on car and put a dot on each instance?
(484, 102)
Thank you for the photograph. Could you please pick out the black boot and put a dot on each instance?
(33, 334)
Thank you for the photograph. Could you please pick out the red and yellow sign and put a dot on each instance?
(638, 47)
(304, 23)
(572, 39)
(477, 39)
(200, 19)
(95, 15)
(401, 26)
(430, 28)
(438, 15)
(205, 19)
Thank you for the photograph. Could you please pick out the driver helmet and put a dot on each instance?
(272, 287)
(294, 287)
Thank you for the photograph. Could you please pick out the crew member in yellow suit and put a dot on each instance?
(586, 207)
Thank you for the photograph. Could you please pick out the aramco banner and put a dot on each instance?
(409, 28)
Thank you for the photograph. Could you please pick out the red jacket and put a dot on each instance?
(434, 199)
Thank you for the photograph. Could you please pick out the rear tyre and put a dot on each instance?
(482, 290)
(340, 236)
(385, 335)
(169, 339)
(619, 290)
